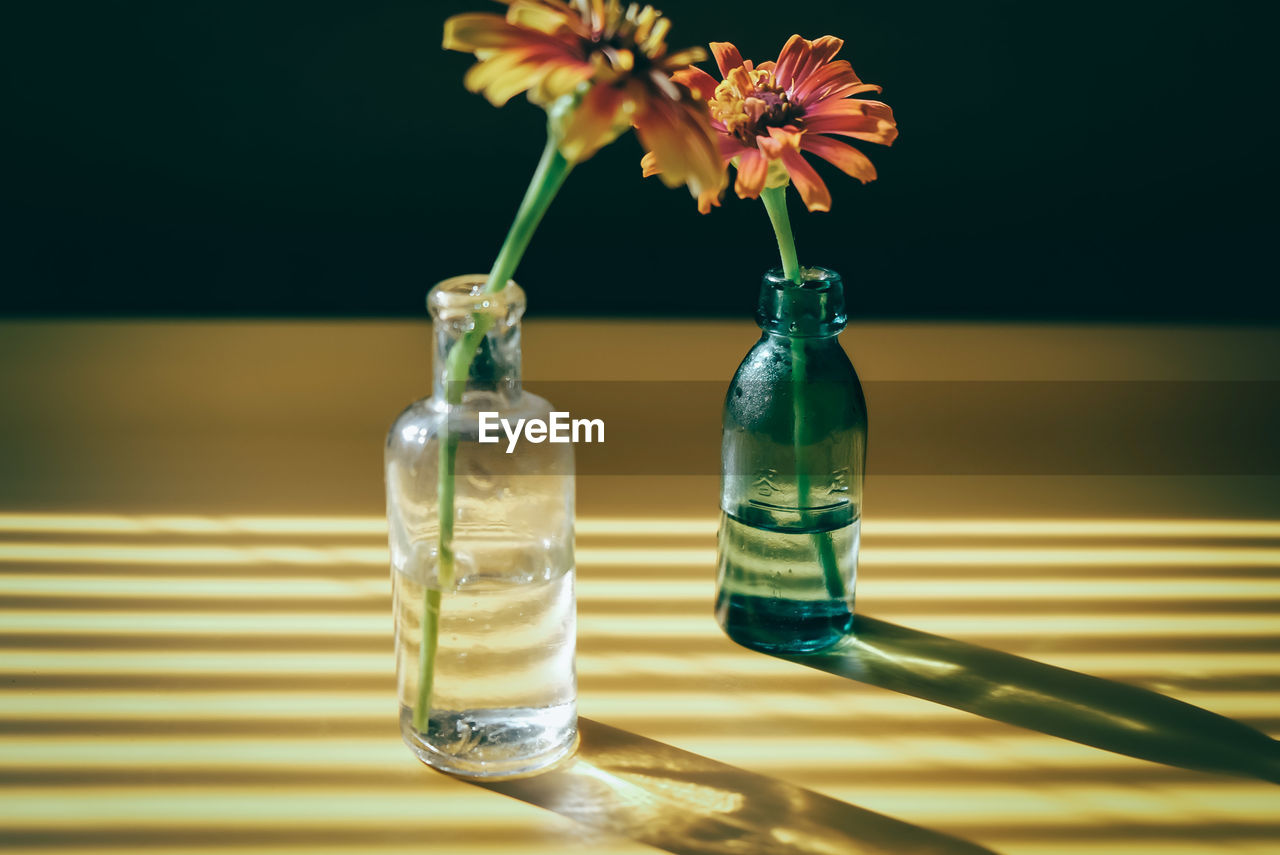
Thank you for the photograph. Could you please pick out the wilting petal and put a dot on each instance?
(560, 79)
(794, 55)
(789, 136)
(501, 76)
(688, 56)
(707, 200)
(752, 169)
(478, 30)
(596, 122)
(697, 81)
(553, 19)
(683, 145)
(843, 156)
(813, 191)
(649, 165)
(730, 146)
(769, 147)
(779, 140)
(727, 57)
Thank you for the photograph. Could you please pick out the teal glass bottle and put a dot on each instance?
(793, 457)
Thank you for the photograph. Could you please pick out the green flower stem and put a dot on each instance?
(547, 180)
(775, 203)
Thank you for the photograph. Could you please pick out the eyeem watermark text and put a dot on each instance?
(560, 428)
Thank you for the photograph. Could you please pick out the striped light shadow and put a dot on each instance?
(212, 554)
(890, 557)
(671, 593)
(316, 622)
(1101, 811)
(612, 691)
(1003, 626)
(113, 808)
(375, 526)
(901, 763)
(191, 524)
(371, 844)
(655, 625)
(609, 589)
(305, 590)
(1163, 529)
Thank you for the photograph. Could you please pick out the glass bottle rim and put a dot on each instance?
(814, 307)
(460, 297)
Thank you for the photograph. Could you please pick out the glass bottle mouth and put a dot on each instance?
(460, 298)
(815, 307)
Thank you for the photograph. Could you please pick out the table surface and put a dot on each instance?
(196, 637)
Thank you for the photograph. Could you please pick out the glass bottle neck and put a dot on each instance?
(814, 308)
(477, 332)
(495, 369)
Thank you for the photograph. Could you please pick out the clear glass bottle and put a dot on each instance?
(486, 682)
(792, 465)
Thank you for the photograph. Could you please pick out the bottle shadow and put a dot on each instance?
(688, 804)
(1074, 706)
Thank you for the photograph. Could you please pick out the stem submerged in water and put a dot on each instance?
(552, 170)
(775, 203)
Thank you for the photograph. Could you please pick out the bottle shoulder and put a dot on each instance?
(776, 359)
(764, 392)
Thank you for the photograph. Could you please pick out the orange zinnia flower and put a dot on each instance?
(614, 60)
(766, 115)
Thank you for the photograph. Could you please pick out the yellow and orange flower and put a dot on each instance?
(615, 60)
(766, 115)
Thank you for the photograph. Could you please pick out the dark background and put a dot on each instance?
(1057, 160)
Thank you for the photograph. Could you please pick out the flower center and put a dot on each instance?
(751, 102)
(626, 41)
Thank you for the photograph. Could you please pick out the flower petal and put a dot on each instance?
(843, 89)
(752, 169)
(849, 107)
(683, 144)
(560, 79)
(697, 81)
(843, 156)
(856, 125)
(688, 56)
(794, 55)
(596, 122)
(649, 165)
(477, 30)
(502, 75)
(821, 50)
(708, 199)
(730, 146)
(836, 80)
(541, 16)
(824, 48)
(727, 57)
(813, 191)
